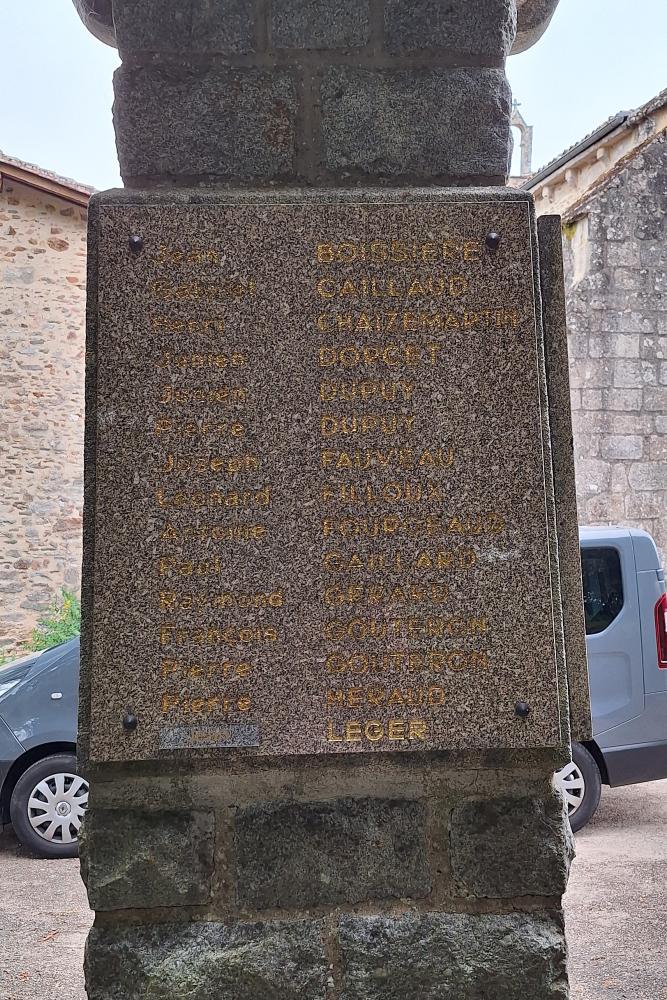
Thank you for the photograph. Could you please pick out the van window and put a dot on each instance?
(603, 588)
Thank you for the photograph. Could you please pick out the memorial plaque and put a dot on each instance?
(321, 492)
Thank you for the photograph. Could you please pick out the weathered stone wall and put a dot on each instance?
(42, 273)
(616, 277)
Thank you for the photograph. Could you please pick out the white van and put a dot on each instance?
(626, 638)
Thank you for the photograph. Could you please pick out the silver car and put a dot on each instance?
(626, 638)
(41, 793)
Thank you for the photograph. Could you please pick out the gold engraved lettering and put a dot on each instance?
(198, 362)
(171, 601)
(176, 669)
(367, 391)
(168, 324)
(398, 562)
(207, 635)
(233, 500)
(430, 526)
(391, 492)
(366, 423)
(199, 428)
(185, 704)
(376, 731)
(375, 458)
(390, 355)
(405, 251)
(206, 533)
(368, 287)
(428, 627)
(171, 395)
(412, 322)
(228, 465)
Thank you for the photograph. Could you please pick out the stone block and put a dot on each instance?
(447, 956)
(658, 448)
(619, 478)
(661, 423)
(631, 374)
(623, 399)
(622, 446)
(625, 345)
(629, 277)
(623, 255)
(589, 445)
(577, 344)
(645, 505)
(591, 399)
(604, 507)
(654, 348)
(373, 123)
(302, 854)
(133, 859)
(217, 121)
(204, 960)
(637, 322)
(185, 26)
(510, 847)
(629, 423)
(648, 476)
(484, 28)
(319, 24)
(590, 374)
(655, 398)
(593, 475)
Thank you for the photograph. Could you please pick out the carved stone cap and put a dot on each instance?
(533, 19)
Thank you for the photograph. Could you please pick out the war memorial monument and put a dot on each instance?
(333, 646)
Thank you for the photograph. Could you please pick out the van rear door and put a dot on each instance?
(613, 634)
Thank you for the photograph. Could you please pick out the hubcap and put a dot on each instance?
(56, 807)
(572, 783)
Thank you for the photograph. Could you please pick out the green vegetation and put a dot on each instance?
(61, 622)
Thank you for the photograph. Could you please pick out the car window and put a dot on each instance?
(603, 587)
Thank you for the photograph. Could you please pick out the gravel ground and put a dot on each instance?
(616, 909)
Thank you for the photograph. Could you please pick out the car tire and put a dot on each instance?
(47, 806)
(581, 785)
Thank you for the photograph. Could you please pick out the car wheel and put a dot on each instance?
(581, 785)
(47, 806)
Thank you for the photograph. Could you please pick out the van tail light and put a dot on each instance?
(661, 631)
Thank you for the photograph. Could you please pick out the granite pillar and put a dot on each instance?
(324, 671)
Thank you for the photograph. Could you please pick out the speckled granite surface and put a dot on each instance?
(322, 513)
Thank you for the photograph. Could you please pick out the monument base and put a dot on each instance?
(364, 880)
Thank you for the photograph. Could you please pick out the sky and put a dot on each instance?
(597, 57)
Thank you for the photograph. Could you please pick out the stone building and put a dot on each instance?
(611, 190)
(42, 305)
